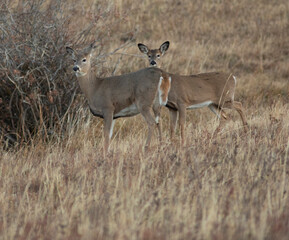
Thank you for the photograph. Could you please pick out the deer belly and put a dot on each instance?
(200, 105)
(127, 112)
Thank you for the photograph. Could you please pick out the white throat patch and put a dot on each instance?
(80, 74)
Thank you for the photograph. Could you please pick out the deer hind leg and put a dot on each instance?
(163, 91)
(239, 109)
(218, 111)
(173, 122)
(107, 130)
(146, 113)
(157, 113)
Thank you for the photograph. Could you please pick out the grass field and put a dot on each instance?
(234, 186)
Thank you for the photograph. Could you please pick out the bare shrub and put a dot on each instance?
(36, 90)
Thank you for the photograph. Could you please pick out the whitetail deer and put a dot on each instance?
(126, 95)
(154, 54)
(214, 90)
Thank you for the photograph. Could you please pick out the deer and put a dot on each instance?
(154, 54)
(144, 91)
(214, 90)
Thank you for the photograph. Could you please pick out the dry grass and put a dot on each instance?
(231, 187)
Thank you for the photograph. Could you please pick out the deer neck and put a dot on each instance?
(88, 84)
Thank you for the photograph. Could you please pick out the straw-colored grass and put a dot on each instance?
(234, 186)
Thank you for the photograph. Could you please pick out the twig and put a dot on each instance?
(127, 44)
(116, 65)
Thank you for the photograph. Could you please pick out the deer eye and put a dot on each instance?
(158, 55)
(150, 56)
(74, 60)
(84, 60)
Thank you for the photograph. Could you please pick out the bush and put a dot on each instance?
(36, 90)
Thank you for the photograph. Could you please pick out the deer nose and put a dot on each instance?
(75, 68)
(153, 63)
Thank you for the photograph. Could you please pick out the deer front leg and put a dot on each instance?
(182, 122)
(107, 130)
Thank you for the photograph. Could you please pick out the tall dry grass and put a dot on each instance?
(232, 187)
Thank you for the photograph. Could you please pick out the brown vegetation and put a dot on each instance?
(59, 186)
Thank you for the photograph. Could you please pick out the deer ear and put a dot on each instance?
(70, 51)
(143, 48)
(164, 47)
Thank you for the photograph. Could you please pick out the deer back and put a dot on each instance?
(194, 89)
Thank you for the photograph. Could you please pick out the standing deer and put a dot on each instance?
(214, 90)
(126, 95)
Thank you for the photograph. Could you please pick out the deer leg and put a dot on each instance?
(239, 109)
(146, 113)
(173, 122)
(182, 121)
(111, 129)
(157, 113)
(107, 130)
(219, 112)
